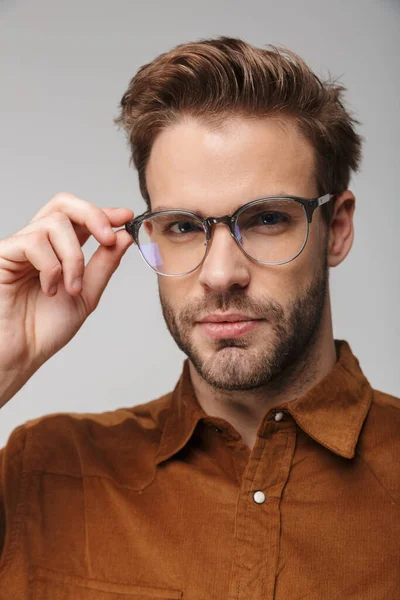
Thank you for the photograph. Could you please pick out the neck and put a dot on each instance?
(244, 410)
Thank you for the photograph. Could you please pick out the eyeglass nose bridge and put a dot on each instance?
(227, 219)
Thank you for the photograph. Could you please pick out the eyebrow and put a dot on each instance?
(233, 209)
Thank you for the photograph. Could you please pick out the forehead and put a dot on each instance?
(199, 167)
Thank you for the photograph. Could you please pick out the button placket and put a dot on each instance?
(257, 525)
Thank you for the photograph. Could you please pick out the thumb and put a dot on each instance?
(102, 266)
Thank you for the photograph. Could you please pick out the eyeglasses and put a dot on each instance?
(270, 231)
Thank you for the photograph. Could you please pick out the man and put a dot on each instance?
(270, 471)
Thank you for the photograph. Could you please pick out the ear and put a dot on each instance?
(341, 229)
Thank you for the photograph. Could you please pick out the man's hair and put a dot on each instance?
(214, 79)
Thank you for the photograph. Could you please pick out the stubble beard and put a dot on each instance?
(242, 364)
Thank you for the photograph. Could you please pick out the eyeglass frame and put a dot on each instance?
(309, 206)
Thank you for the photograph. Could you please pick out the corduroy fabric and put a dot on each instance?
(157, 501)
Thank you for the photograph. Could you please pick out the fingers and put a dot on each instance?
(91, 219)
(35, 248)
(101, 267)
(52, 242)
(61, 235)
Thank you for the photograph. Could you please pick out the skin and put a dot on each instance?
(213, 171)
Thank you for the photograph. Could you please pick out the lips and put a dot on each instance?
(216, 330)
(228, 318)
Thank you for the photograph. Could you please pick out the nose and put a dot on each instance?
(225, 264)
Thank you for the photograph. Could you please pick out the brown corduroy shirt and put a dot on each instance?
(162, 501)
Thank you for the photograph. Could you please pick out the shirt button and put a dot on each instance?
(259, 497)
(278, 416)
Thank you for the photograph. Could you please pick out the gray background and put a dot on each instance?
(64, 67)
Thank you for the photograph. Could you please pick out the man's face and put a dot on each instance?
(213, 172)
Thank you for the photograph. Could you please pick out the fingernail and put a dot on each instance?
(53, 289)
(77, 283)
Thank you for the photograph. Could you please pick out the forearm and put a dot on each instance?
(11, 381)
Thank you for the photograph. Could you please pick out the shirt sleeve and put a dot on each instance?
(11, 470)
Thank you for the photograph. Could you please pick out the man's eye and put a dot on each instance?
(182, 227)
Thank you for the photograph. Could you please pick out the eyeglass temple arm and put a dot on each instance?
(324, 199)
(314, 204)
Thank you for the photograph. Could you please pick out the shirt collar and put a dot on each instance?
(332, 412)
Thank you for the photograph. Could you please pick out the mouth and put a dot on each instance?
(229, 329)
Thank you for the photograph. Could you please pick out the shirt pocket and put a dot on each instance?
(50, 585)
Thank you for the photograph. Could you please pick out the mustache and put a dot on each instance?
(267, 309)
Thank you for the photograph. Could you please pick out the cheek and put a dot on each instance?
(288, 280)
(309, 263)
(175, 291)
(285, 283)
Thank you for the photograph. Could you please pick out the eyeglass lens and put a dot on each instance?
(270, 231)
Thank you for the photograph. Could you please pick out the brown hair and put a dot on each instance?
(216, 78)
